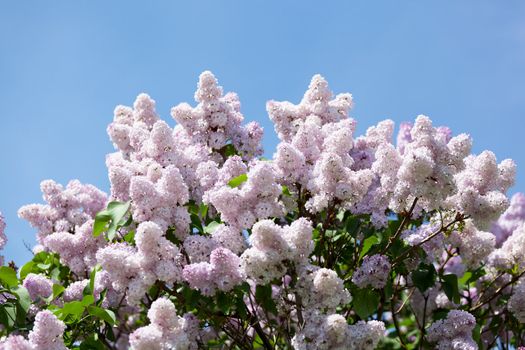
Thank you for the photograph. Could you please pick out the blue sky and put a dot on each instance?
(64, 65)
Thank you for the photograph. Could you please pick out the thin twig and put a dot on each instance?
(498, 291)
(406, 218)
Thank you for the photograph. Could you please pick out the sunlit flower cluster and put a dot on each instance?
(339, 241)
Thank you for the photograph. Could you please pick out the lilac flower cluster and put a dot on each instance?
(373, 272)
(430, 159)
(134, 269)
(102, 283)
(474, 245)
(420, 235)
(481, 188)
(454, 332)
(510, 220)
(38, 286)
(65, 224)
(517, 302)
(46, 334)
(166, 331)
(332, 332)
(511, 252)
(315, 150)
(272, 245)
(322, 289)
(369, 174)
(223, 272)
(255, 199)
(216, 121)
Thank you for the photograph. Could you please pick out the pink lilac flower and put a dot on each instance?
(481, 188)
(47, 332)
(271, 245)
(374, 272)
(15, 342)
(510, 220)
(166, 330)
(454, 332)
(38, 286)
(223, 272)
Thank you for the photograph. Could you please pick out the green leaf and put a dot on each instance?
(229, 150)
(103, 314)
(367, 244)
(203, 210)
(92, 276)
(112, 218)
(88, 300)
(130, 237)
(286, 191)
(58, 290)
(196, 222)
(100, 224)
(41, 257)
(10, 312)
(237, 181)
(26, 269)
(466, 276)
(212, 226)
(263, 296)
(424, 277)
(365, 301)
(450, 287)
(193, 208)
(55, 274)
(75, 309)
(23, 297)
(476, 274)
(92, 343)
(223, 302)
(8, 277)
(44, 266)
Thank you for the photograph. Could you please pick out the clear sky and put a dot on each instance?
(64, 65)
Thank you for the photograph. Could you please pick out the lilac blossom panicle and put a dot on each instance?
(481, 188)
(166, 330)
(416, 235)
(373, 272)
(322, 289)
(316, 140)
(45, 335)
(38, 286)
(511, 252)
(223, 272)
(454, 332)
(475, 245)
(255, 199)
(134, 269)
(64, 224)
(510, 220)
(429, 161)
(517, 302)
(271, 245)
(329, 332)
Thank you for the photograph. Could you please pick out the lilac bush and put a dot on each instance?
(337, 242)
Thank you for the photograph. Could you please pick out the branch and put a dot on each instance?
(459, 217)
(499, 291)
(406, 217)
